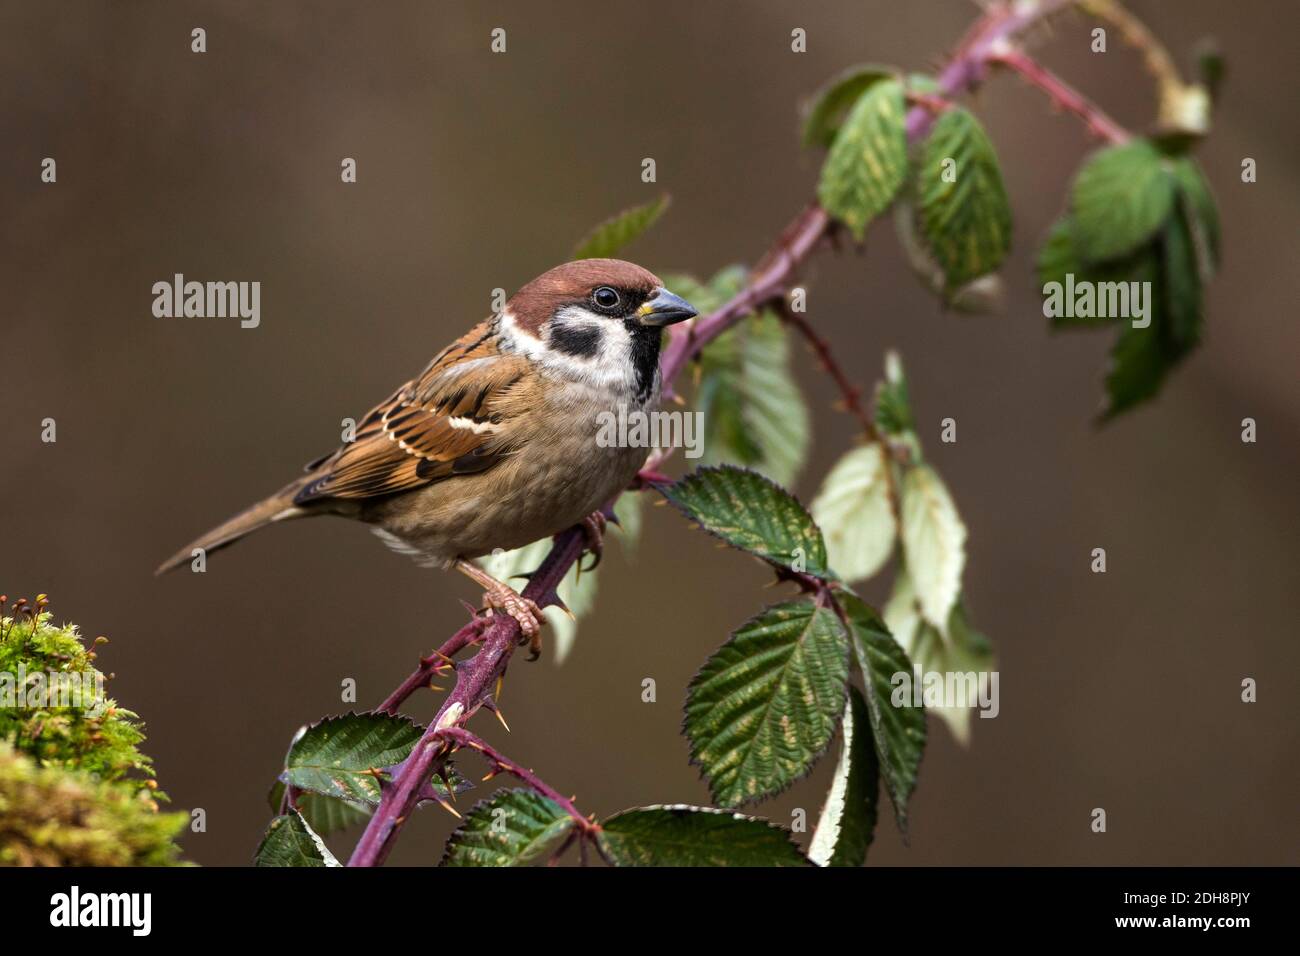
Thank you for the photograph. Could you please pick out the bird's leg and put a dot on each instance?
(497, 595)
(593, 526)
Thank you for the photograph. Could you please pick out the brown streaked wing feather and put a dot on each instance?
(453, 419)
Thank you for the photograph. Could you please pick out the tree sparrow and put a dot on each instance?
(494, 444)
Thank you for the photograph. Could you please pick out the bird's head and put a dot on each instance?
(596, 318)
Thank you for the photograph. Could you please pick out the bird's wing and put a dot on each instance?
(459, 416)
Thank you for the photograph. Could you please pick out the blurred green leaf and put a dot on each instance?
(763, 708)
(512, 828)
(754, 414)
(750, 512)
(695, 836)
(1138, 216)
(1059, 262)
(848, 818)
(1202, 212)
(893, 404)
(868, 160)
(964, 650)
(628, 511)
(1143, 357)
(923, 83)
(1138, 365)
(854, 508)
(982, 295)
(934, 542)
(1181, 282)
(1120, 199)
(708, 296)
(961, 202)
(826, 110)
(609, 238)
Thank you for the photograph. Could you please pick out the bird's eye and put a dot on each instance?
(605, 297)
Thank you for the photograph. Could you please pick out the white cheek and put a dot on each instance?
(618, 344)
(610, 370)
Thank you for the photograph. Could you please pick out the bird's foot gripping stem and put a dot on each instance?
(499, 596)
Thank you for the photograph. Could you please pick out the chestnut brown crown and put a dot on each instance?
(577, 284)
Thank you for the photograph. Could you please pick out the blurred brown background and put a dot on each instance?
(1118, 690)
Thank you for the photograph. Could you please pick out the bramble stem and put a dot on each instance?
(433, 665)
(463, 738)
(769, 281)
(1062, 95)
(476, 679)
(851, 395)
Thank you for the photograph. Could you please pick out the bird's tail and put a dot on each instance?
(278, 507)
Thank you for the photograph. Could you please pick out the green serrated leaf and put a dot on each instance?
(848, 818)
(289, 841)
(960, 200)
(934, 542)
(868, 160)
(1120, 199)
(750, 512)
(827, 109)
(323, 814)
(753, 411)
(328, 815)
(854, 508)
(609, 238)
(512, 828)
(335, 757)
(763, 708)
(695, 836)
(898, 732)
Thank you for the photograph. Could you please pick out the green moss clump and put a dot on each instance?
(74, 787)
(56, 817)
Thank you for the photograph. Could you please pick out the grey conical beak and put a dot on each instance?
(664, 308)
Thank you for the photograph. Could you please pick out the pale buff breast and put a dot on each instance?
(557, 478)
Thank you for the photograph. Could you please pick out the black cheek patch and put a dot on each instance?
(583, 342)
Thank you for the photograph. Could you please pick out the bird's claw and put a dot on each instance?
(593, 526)
(526, 612)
